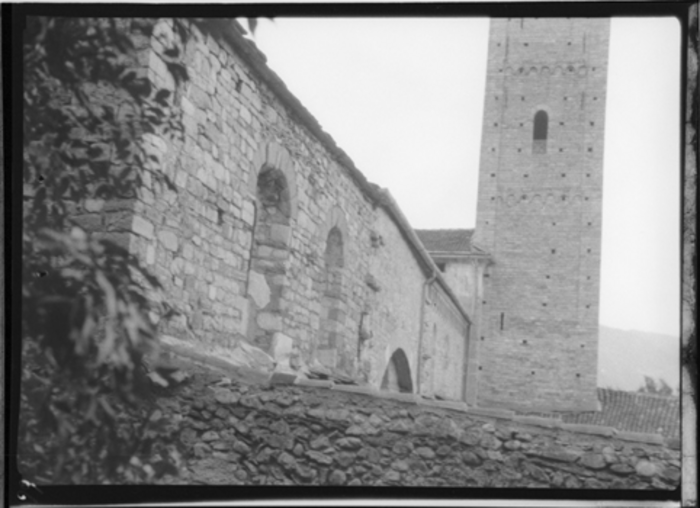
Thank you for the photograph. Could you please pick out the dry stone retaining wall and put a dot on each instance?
(288, 435)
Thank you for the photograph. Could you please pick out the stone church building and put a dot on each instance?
(273, 236)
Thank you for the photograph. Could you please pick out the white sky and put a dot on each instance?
(404, 98)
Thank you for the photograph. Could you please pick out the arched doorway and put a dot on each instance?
(397, 377)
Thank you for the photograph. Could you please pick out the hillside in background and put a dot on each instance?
(626, 356)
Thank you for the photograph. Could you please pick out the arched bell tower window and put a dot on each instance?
(539, 134)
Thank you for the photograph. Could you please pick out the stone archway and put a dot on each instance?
(397, 377)
(273, 186)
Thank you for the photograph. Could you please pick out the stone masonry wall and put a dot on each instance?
(287, 435)
(539, 211)
(445, 343)
(266, 231)
(394, 310)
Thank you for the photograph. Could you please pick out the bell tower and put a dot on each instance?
(540, 210)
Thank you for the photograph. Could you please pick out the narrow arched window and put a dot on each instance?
(539, 134)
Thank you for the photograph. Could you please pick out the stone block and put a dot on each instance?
(314, 383)
(258, 289)
(89, 222)
(283, 378)
(280, 233)
(363, 390)
(94, 205)
(169, 240)
(327, 356)
(143, 227)
(641, 437)
(269, 321)
(281, 348)
(599, 430)
(493, 412)
(443, 404)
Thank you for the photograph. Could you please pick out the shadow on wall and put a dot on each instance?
(397, 377)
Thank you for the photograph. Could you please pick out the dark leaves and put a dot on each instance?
(87, 103)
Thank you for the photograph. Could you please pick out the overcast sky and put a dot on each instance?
(404, 98)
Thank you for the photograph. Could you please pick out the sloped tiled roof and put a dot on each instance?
(446, 240)
(634, 412)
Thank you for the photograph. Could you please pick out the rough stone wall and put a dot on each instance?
(266, 231)
(395, 308)
(445, 346)
(286, 435)
(539, 211)
(466, 277)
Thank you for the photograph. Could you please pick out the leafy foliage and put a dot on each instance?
(88, 102)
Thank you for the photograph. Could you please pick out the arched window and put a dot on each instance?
(539, 134)
(331, 344)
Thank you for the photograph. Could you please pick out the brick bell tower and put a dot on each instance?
(539, 212)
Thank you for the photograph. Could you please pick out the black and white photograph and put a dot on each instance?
(351, 252)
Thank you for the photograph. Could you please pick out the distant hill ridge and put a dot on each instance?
(625, 357)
